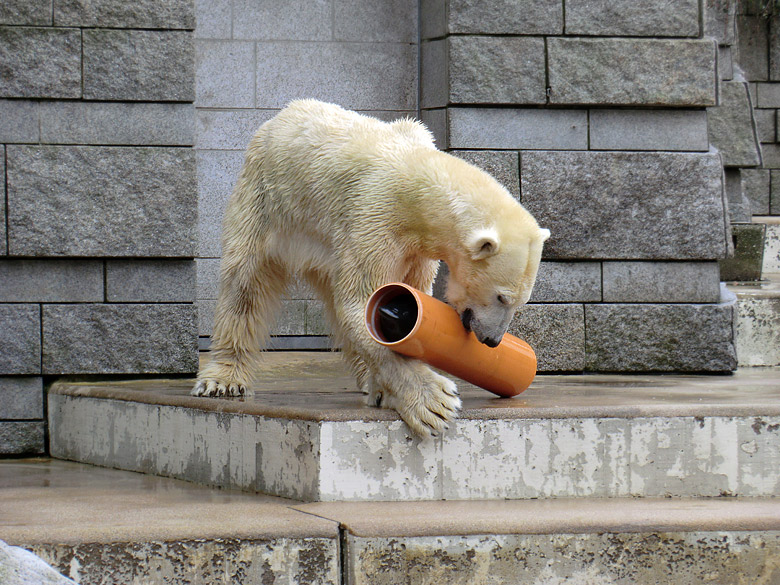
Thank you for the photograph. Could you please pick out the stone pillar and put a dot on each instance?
(99, 203)
(595, 118)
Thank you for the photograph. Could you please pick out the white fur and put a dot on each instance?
(351, 203)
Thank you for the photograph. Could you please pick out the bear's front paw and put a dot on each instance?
(429, 408)
(212, 387)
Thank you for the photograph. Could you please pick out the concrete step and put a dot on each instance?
(307, 435)
(758, 321)
(100, 526)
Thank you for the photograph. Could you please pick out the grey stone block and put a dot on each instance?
(739, 205)
(343, 73)
(119, 339)
(22, 438)
(228, 129)
(27, 12)
(317, 323)
(160, 14)
(635, 18)
(555, 332)
(217, 174)
(374, 20)
(518, 128)
(51, 281)
(765, 124)
(434, 75)
(731, 126)
(116, 123)
(774, 201)
(660, 337)
(654, 72)
(767, 95)
(755, 186)
(437, 123)
(567, 282)
(291, 319)
(150, 281)
(774, 48)
(207, 278)
(101, 201)
(20, 339)
(213, 19)
(21, 397)
(3, 234)
(544, 17)
(746, 263)
(719, 21)
(661, 282)
(502, 165)
(725, 63)
(671, 130)
(620, 205)
(40, 62)
(771, 156)
(225, 74)
(19, 121)
(753, 49)
(206, 309)
(138, 65)
(498, 70)
(297, 20)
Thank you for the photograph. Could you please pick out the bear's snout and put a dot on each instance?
(466, 317)
(471, 323)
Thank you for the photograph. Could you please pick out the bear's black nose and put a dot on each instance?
(491, 341)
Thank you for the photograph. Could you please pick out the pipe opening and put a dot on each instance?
(392, 313)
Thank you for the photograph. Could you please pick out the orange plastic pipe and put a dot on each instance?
(439, 339)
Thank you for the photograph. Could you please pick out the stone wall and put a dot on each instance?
(98, 208)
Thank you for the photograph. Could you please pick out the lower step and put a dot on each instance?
(307, 436)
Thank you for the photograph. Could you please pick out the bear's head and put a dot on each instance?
(493, 276)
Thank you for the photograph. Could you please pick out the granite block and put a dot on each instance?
(437, 122)
(217, 173)
(752, 46)
(504, 166)
(19, 121)
(290, 319)
(731, 126)
(119, 339)
(765, 124)
(20, 339)
(755, 186)
(725, 63)
(224, 74)
(22, 438)
(40, 62)
(774, 197)
(3, 234)
(213, 19)
(21, 397)
(767, 95)
(746, 263)
(518, 128)
(146, 14)
(150, 281)
(719, 21)
(207, 277)
(660, 337)
(620, 205)
(344, 73)
(567, 282)
(615, 71)
(433, 19)
(661, 282)
(138, 65)
(633, 18)
(206, 309)
(556, 332)
(51, 281)
(434, 74)
(739, 204)
(544, 17)
(117, 123)
(297, 20)
(374, 20)
(228, 129)
(669, 130)
(101, 201)
(770, 156)
(774, 48)
(498, 70)
(26, 12)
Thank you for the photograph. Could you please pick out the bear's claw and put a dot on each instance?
(218, 388)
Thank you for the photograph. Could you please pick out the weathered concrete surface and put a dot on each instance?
(758, 322)
(306, 434)
(21, 567)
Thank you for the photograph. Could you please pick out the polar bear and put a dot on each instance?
(350, 203)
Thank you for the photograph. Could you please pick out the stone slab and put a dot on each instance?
(140, 201)
(768, 95)
(765, 124)
(517, 128)
(207, 277)
(771, 264)
(502, 165)
(669, 130)
(739, 205)
(146, 124)
(633, 18)
(719, 21)
(626, 205)
(217, 171)
(306, 434)
(143, 14)
(214, 19)
(660, 337)
(752, 45)
(228, 129)
(40, 62)
(150, 281)
(567, 282)
(393, 21)
(26, 12)
(224, 74)
(19, 121)
(22, 438)
(493, 17)
(51, 281)
(557, 334)
(732, 128)
(120, 338)
(746, 262)
(661, 282)
(756, 187)
(21, 397)
(20, 339)
(770, 156)
(3, 215)
(264, 21)
(606, 71)
(774, 201)
(758, 329)
(138, 65)
(497, 70)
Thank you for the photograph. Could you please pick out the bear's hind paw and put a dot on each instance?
(210, 387)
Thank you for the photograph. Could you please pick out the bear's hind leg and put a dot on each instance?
(250, 294)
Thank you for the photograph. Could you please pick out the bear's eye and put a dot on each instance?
(502, 299)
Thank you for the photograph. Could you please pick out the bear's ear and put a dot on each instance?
(483, 243)
(544, 234)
